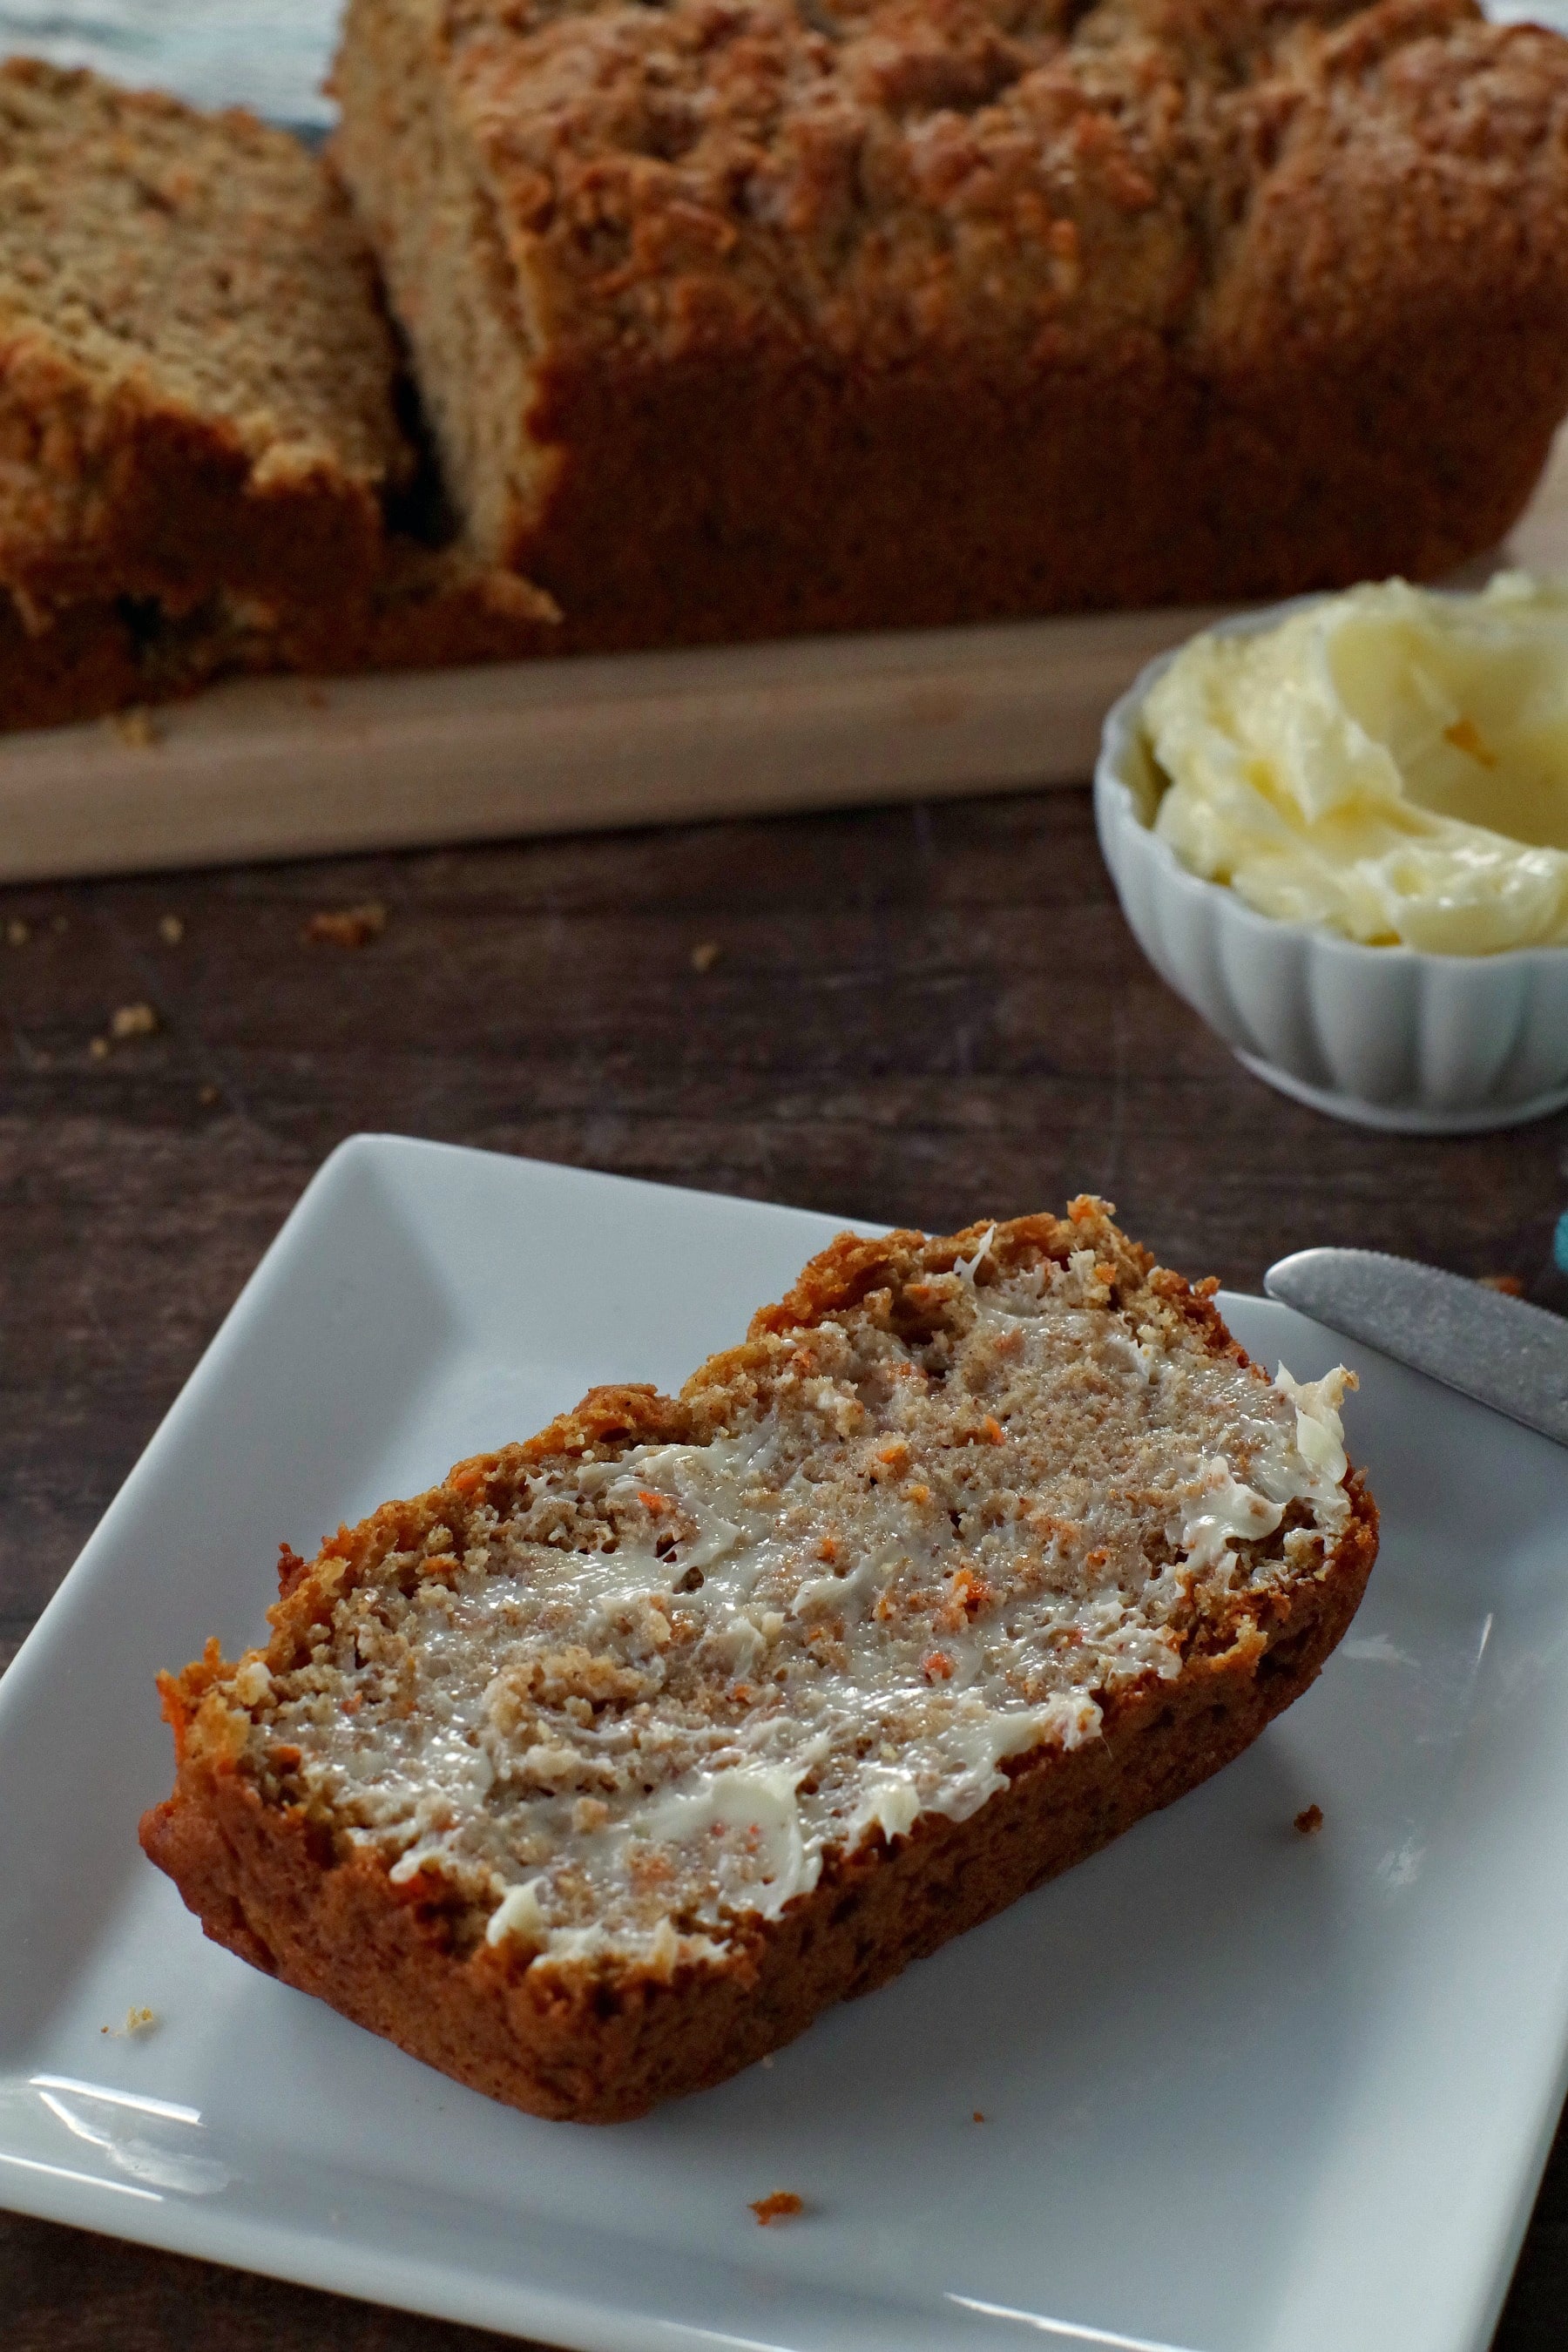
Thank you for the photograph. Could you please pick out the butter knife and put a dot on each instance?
(1502, 1351)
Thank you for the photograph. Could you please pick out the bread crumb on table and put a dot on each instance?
(17, 933)
(705, 955)
(137, 727)
(99, 1048)
(133, 1021)
(347, 927)
(1309, 1819)
(170, 931)
(781, 2206)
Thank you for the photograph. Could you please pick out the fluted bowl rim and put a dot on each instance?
(1116, 801)
(1407, 1039)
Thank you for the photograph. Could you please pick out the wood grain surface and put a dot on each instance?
(920, 1015)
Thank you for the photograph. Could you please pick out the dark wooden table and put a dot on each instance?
(916, 1015)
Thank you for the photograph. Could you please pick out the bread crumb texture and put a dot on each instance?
(784, 2205)
(195, 374)
(616, 1698)
(884, 173)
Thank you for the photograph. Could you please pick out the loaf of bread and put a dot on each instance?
(195, 371)
(596, 1772)
(738, 320)
(739, 317)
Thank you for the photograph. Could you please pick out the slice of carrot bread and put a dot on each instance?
(877, 312)
(598, 1771)
(195, 373)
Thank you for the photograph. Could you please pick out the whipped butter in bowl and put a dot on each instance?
(1340, 829)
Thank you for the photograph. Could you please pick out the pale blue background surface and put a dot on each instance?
(268, 54)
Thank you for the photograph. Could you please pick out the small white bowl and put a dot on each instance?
(1389, 1037)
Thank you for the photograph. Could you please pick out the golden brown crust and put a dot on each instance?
(603, 2040)
(882, 313)
(841, 1275)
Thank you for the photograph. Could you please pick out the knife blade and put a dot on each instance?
(1502, 1351)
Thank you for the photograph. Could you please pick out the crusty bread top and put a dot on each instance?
(1024, 181)
(617, 1693)
(200, 270)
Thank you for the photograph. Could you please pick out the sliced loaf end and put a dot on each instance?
(195, 371)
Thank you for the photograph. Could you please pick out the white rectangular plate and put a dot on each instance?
(1244, 2091)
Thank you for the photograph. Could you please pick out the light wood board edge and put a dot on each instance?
(285, 767)
(276, 768)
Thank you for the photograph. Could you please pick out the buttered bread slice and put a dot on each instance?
(599, 1770)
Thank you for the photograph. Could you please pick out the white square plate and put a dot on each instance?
(1244, 2091)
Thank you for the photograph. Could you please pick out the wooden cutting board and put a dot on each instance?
(268, 768)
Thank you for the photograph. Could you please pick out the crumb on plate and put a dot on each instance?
(781, 2206)
(138, 2020)
(1309, 1819)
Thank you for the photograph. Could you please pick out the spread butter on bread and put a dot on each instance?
(598, 1771)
